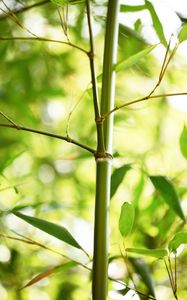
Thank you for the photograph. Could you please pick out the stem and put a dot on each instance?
(108, 78)
(103, 166)
(100, 141)
(53, 135)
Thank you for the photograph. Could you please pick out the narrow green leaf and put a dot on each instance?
(158, 253)
(59, 2)
(126, 219)
(156, 22)
(6, 163)
(183, 142)
(168, 193)
(55, 230)
(124, 291)
(117, 177)
(63, 2)
(183, 33)
(132, 60)
(132, 8)
(144, 272)
(138, 190)
(178, 239)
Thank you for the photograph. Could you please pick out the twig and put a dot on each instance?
(34, 243)
(73, 109)
(91, 58)
(99, 125)
(25, 8)
(175, 272)
(164, 66)
(130, 288)
(142, 99)
(14, 18)
(65, 138)
(9, 120)
(43, 39)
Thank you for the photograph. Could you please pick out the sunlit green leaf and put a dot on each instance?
(183, 142)
(178, 239)
(55, 230)
(132, 8)
(168, 193)
(156, 22)
(158, 253)
(183, 33)
(63, 2)
(126, 219)
(117, 177)
(132, 60)
(144, 272)
(8, 162)
(138, 190)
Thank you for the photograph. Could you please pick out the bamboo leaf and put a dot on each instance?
(183, 33)
(132, 8)
(117, 177)
(124, 291)
(59, 2)
(55, 230)
(178, 239)
(157, 253)
(63, 2)
(183, 142)
(132, 60)
(168, 193)
(49, 272)
(143, 270)
(156, 22)
(126, 219)
(138, 190)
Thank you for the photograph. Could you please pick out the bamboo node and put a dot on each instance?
(103, 155)
(91, 54)
(100, 120)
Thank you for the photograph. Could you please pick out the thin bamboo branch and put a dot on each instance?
(116, 108)
(169, 275)
(25, 8)
(35, 243)
(9, 120)
(53, 135)
(175, 272)
(42, 39)
(99, 125)
(165, 64)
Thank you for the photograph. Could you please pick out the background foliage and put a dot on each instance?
(46, 85)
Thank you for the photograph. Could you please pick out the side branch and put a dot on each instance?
(140, 100)
(91, 54)
(42, 39)
(53, 135)
(25, 8)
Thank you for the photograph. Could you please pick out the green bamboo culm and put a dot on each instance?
(103, 164)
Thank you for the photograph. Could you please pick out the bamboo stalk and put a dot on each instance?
(103, 161)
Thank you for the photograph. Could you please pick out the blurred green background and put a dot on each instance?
(46, 86)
